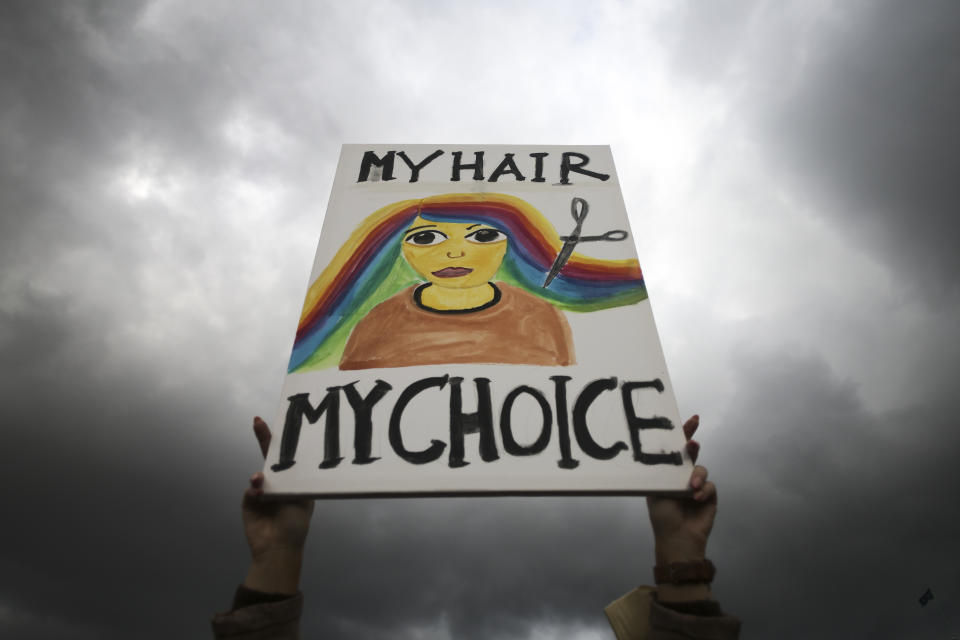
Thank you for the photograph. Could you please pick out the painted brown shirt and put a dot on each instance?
(519, 328)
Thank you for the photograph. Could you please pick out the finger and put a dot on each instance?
(690, 426)
(262, 431)
(699, 477)
(707, 494)
(693, 449)
(255, 490)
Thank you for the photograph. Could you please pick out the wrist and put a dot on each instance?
(275, 571)
(667, 554)
(679, 547)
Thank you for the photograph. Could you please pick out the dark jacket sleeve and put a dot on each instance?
(638, 616)
(266, 619)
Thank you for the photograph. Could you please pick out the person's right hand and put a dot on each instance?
(276, 530)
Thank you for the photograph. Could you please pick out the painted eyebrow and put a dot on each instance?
(423, 226)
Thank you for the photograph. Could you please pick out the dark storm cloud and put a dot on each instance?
(81, 103)
(104, 523)
(489, 568)
(846, 515)
(854, 106)
(868, 127)
(835, 515)
(840, 515)
(101, 452)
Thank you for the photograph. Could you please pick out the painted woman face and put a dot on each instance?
(459, 255)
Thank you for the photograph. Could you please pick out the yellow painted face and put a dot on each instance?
(459, 255)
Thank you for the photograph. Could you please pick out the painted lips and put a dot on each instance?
(452, 272)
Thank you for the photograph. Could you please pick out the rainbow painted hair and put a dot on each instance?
(369, 268)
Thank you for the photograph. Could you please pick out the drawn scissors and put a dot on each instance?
(578, 209)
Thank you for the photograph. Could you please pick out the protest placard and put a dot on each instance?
(476, 322)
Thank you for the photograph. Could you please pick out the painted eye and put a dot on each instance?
(424, 238)
(484, 236)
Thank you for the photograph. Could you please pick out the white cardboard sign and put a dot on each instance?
(476, 323)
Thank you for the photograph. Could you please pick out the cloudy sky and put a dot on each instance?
(790, 172)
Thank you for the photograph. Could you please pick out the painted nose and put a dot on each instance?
(450, 254)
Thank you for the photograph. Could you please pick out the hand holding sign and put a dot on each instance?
(681, 525)
(276, 530)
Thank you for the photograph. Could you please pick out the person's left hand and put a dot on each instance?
(276, 530)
